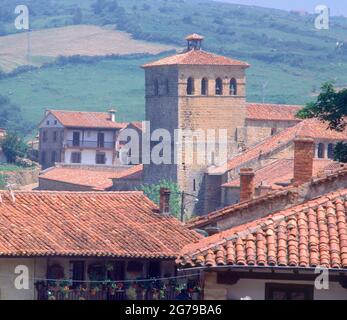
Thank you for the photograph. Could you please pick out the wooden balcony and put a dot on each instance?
(115, 292)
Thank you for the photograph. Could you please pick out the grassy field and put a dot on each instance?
(120, 83)
(289, 57)
(85, 40)
(98, 86)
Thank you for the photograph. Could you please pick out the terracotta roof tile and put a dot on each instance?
(307, 235)
(285, 192)
(85, 119)
(308, 128)
(196, 57)
(276, 112)
(108, 224)
(282, 171)
(95, 178)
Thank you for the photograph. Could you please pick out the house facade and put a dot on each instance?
(88, 245)
(78, 138)
(276, 247)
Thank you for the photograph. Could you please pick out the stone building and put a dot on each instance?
(200, 91)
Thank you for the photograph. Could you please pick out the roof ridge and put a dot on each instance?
(73, 192)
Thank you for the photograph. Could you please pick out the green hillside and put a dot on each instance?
(286, 52)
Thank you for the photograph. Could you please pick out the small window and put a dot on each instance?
(47, 123)
(276, 291)
(134, 267)
(219, 87)
(43, 157)
(233, 87)
(44, 136)
(77, 271)
(76, 157)
(273, 131)
(76, 137)
(331, 151)
(153, 269)
(100, 158)
(204, 86)
(54, 156)
(55, 122)
(321, 151)
(190, 86)
(55, 136)
(156, 88)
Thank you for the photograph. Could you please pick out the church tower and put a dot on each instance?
(194, 90)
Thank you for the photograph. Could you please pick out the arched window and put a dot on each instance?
(219, 87)
(156, 88)
(233, 87)
(321, 151)
(331, 149)
(190, 86)
(204, 86)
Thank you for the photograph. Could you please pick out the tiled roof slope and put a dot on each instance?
(308, 128)
(104, 224)
(97, 179)
(330, 175)
(309, 235)
(282, 171)
(196, 57)
(275, 112)
(85, 119)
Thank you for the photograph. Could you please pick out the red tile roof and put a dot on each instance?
(196, 57)
(85, 119)
(104, 224)
(308, 128)
(95, 178)
(276, 112)
(288, 193)
(282, 171)
(308, 235)
(194, 36)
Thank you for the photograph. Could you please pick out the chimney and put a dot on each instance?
(112, 113)
(246, 184)
(303, 159)
(164, 205)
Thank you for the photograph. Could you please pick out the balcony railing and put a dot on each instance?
(89, 144)
(137, 292)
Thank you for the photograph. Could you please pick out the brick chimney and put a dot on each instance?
(246, 184)
(303, 159)
(112, 113)
(164, 204)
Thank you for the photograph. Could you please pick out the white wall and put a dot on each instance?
(255, 289)
(88, 156)
(51, 124)
(91, 135)
(37, 269)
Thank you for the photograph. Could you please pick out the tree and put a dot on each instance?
(13, 146)
(11, 117)
(3, 181)
(152, 191)
(331, 107)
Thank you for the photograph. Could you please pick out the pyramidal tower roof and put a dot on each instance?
(194, 55)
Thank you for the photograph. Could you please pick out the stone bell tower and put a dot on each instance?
(195, 90)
